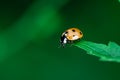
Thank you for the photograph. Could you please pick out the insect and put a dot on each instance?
(70, 35)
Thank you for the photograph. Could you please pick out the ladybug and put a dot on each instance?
(70, 35)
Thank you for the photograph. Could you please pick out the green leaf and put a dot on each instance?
(110, 52)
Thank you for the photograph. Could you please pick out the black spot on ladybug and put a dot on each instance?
(81, 33)
(73, 35)
(73, 30)
(66, 32)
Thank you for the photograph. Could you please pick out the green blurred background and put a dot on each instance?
(29, 39)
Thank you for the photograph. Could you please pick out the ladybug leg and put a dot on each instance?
(70, 42)
(78, 39)
(63, 45)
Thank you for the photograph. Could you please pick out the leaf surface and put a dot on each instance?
(110, 52)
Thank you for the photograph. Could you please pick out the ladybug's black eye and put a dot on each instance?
(73, 30)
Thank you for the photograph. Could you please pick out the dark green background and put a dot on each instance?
(29, 39)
